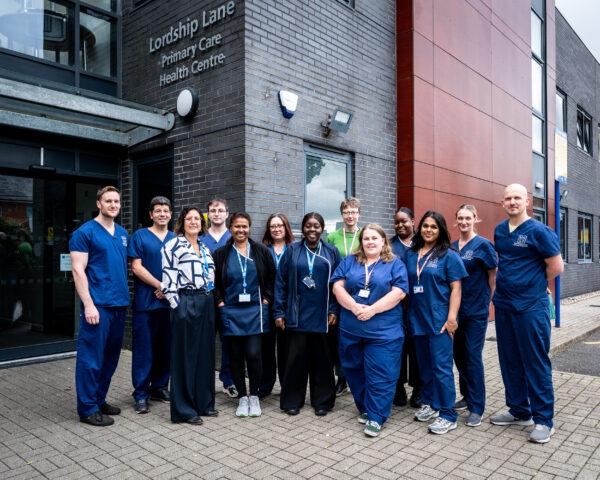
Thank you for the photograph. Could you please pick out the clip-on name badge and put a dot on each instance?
(309, 282)
(244, 297)
(418, 289)
(364, 293)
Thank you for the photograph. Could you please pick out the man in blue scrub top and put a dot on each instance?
(151, 329)
(217, 236)
(99, 263)
(528, 260)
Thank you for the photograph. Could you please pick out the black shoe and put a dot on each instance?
(341, 386)
(415, 398)
(400, 399)
(461, 405)
(160, 395)
(211, 413)
(292, 411)
(97, 420)
(321, 412)
(197, 420)
(141, 406)
(108, 409)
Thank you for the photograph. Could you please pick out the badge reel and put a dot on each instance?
(364, 293)
(244, 297)
(309, 282)
(418, 289)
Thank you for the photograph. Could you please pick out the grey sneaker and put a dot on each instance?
(461, 405)
(254, 409)
(541, 433)
(441, 426)
(473, 420)
(243, 409)
(426, 413)
(362, 418)
(372, 428)
(508, 419)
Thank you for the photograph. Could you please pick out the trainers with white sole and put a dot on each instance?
(372, 428)
(254, 409)
(509, 419)
(541, 433)
(426, 413)
(243, 409)
(363, 418)
(441, 426)
(230, 391)
(473, 420)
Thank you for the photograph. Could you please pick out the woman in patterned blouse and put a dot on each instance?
(187, 282)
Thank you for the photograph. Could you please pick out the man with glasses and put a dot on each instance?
(346, 240)
(217, 236)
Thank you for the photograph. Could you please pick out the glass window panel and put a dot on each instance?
(326, 187)
(579, 129)
(563, 233)
(537, 84)
(536, 34)
(110, 5)
(98, 43)
(584, 235)
(560, 112)
(40, 28)
(536, 134)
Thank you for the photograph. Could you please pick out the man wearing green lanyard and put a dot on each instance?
(346, 241)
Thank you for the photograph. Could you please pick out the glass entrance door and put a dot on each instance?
(38, 308)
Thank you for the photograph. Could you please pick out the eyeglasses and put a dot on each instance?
(350, 213)
(277, 226)
(217, 210)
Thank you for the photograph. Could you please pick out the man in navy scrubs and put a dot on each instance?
(99, 263)
(217, 236)
(151, 329)
(528, 260)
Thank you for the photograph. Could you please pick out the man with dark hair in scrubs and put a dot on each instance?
(528, 260)
(99, 263)
(151, 329)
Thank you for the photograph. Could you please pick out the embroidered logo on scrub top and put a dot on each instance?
(468, 255)
(124, 240)
(433, 263)
(521, 241)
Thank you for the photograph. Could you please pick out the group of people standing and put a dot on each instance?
(377, 313)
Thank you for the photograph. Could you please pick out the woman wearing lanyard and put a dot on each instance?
(244, 279)
(404, 226)
(304, 309)
(188, 274)
(479, 257)
(278, 235)
(434, 272)
(369, 286)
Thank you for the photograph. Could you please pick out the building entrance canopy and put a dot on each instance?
(44, 109)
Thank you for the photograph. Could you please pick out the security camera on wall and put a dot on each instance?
(288, 102)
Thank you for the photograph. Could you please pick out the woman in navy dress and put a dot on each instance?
(278, 235)
(244, 275)
(369, 286)
(479, 257)
(434, 272)
(304, 309)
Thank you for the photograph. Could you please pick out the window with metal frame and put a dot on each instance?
(561, 112)
(584, 131)
(564, 234)
(584, 237)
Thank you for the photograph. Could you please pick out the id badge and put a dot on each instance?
(418, 289)
(364, 293)
(244, 297)
(309, 282)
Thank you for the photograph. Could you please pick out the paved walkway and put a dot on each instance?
(40, 436)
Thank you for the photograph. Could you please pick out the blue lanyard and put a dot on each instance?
(278, 256)
(310, 258)
(205, 268)
(244, 265)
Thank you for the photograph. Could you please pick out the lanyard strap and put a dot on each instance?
(419, 270)
(310, 258)
(368, 273)
(278, 255)
(244, 264)
(351, 243)
(204, 262)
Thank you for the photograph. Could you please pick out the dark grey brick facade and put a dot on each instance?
(578, 76)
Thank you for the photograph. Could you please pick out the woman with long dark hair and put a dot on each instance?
(304, 309)
(245, 273)
(277, 237)
(188, 274)
(434, 272)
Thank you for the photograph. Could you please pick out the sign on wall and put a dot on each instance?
(185, 50)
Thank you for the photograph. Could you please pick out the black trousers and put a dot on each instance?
(306, 358)
(192, 355)
(246, 352)
(333, 342)
(410, 368)
(269, 361)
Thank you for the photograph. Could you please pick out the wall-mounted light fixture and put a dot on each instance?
(187, 103)
(339, 122)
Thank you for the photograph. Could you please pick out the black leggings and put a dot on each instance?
(246, 352)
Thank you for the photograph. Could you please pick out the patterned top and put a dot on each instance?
(184, 269)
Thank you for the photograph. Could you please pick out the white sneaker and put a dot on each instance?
(441, 426)
(243, 410)
(254, 409)
(426, 413)
(541, 434)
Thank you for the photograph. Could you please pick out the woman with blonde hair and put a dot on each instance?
(369, 286)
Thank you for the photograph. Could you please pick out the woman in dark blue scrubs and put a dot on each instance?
(369, 286)
(277, 237)
(434, 272)
(244, 276)
(304, 309)
(480, 260)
